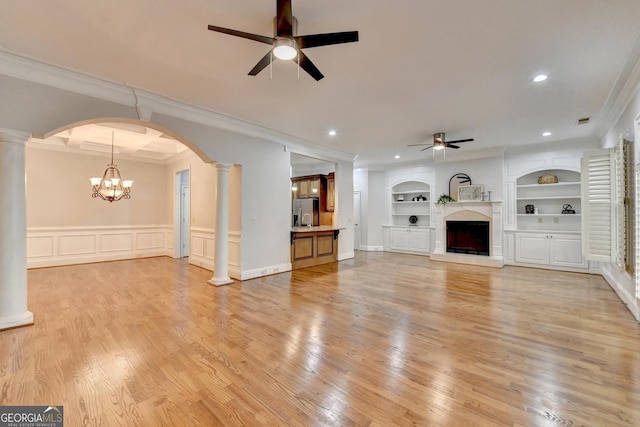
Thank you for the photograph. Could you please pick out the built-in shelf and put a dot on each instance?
(403, 208)
(548, 201)
(549, 197)
(560, 215)
(558, 184)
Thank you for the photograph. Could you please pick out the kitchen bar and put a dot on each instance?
(313, 245)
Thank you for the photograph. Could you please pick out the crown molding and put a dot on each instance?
(626, 87)
(38, 72)
(148, 103)
(162, 105)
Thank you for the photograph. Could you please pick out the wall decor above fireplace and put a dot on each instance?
(457, 180)
(470, 193)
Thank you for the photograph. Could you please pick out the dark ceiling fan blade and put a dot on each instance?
(309, 67)
(459, 141)
(451, 146)
(426, 148)
(266, 60)
(315, 40)
(255, 37)
(284, 19)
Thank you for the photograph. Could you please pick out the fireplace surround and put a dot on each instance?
(489, 212)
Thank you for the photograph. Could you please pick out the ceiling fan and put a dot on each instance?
(286, 44)
(440, 144)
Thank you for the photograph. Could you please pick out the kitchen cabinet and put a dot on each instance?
(331, 193)
(550, 249)
(308, 186)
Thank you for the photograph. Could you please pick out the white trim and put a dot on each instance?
(372, 248)
(147, 102)
(619, 100)
(620, 281)
(264, 271)
(55, 246)
(346, 255)
(34, 71)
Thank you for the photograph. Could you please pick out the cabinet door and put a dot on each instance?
(398, 239)
(418, 240)
(532, 248)
(331, 194)
(314, 187)
(303, 188)
(566, 251)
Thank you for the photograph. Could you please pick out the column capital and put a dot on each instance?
(14, 136)
(223, 166)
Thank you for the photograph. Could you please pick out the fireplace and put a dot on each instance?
(468, 237)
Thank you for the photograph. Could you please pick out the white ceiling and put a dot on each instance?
(462, 67)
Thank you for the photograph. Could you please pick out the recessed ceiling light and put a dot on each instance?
(546, 133)
(332, 133)
(397, 156)
(540, 78)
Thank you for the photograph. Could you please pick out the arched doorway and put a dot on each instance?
(83, 229)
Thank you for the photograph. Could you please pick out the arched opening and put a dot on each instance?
(65, 225)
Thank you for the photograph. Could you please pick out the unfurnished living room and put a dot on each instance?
(306, 214)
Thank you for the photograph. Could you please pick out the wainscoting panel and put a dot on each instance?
(150, 240)
(41, 246)
(203, 243)
(76, 244)
(116, 242)
(51, 246)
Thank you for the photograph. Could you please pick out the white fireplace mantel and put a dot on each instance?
(471, 210)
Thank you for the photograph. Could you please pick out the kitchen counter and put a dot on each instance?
(313, 245)
(314, 229)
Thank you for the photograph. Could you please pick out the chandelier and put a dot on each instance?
(111, 187)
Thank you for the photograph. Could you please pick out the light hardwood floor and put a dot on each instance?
(381, 340)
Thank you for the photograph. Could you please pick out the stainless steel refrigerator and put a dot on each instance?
(306, 211)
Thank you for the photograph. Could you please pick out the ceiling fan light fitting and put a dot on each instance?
(438, 147)
(285, 49)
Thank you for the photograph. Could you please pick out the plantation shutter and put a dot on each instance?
(598, 186)
(620, 205)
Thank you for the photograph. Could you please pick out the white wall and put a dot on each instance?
(65, 225)
(485, 171)
(371, 185)
(59, 193)
(265, 196)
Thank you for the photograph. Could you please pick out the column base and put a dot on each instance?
(24, 319)
(220, 281)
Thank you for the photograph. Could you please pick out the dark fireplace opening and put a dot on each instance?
(468, 237)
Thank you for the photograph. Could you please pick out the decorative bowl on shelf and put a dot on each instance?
(413, 219)
(547, 179)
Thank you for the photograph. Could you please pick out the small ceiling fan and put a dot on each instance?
(286, 44)
(440, 144)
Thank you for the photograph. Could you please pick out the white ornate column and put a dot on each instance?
(221, 260)
(13, 231)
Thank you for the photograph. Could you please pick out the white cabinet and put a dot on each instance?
(550, 249)
(545, 236)
(408, 239)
